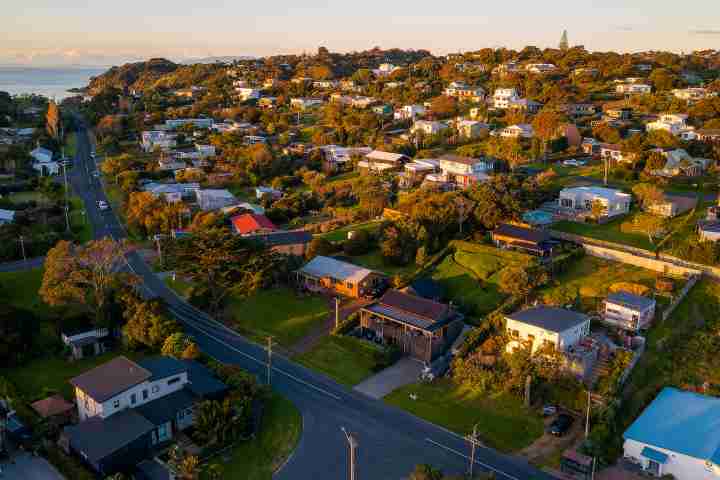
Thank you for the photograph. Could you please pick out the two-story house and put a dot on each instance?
(465, 171)
(614, 202)
(544, 326)
(628, 311)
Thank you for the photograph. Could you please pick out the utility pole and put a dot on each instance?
(269, 358)
(337, 312)
(587, 416)
(159, 248)
(605, 178)
(474, 441)
(22, 248)
(353, 445)
(67, 208)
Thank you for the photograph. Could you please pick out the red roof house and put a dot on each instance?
(252, 224)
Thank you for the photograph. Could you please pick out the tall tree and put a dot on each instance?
(52, 119)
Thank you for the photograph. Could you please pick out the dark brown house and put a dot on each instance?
(421, 328)
(529, 240)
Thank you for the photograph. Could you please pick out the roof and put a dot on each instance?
(202, 382)
(251, 222)
(7, 215)
(385, 156)
(412, 310)
(51, 406)
(321, 267)
(458, 159)
(162, 367)
(111, 378)
(631, 301)
(653, 454)
(282, 238)
(682, 422)
(99, 437)
(165, 409)
(552, 319)
(597, 191)
(532, 235)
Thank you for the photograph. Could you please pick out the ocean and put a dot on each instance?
(51, 82)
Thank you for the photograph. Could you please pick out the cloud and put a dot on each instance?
(708, 31)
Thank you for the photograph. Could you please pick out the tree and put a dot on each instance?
(320, 246)
(191, 352)
(443, 106)
(146, 322)
(214, 472)
(648, 194)
(52, 119)
(496, 201)
(175, 345)
(84, 275)
(545, 125)
(371, 193)
(186, 467)
(515, 280)
(655, 161)
(597, 209)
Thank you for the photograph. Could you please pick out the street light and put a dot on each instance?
(352, 444)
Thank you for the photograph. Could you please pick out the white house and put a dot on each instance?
(378, 161)
(152, 139)
(613, 201)
(679, 162)
(384, 70)
(678, 434)
(522, 130)
(693, 94)
(6, 216)
(540, 68)
(674, 123)
(363, 102)
(628, 311)
(504, 98)
(428, 127)
(546, 326)
(195, 122)
(472, 129)
(633, 88)
(262, 191)
(215, 199)
(43, 162)
(247, 93)
(464, 171)
(305, 103)
(709, 230)
(409, 112)
(461, 91)
(173, 192)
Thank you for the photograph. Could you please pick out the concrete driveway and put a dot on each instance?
(27, 467)
(404, 372)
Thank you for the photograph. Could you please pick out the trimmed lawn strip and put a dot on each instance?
(81, 226)
(340, 234)
(180, 286)
(374, 261)
(20, 289)
(346, 359)
(503, 422)
(279, 312)
(260, 457)
(609, 232)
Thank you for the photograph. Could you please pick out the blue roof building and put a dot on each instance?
(677, 434)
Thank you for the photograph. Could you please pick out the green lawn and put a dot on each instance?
(609, 232)
(20, 289)
(79, 222)
(180, 286)
(260, 457)
(34, 379)
(374, 261)
(279, 312)
(341, 233)
(590, 278)
(348, 360)
(470, 275)
(503, 422)
(23, 197)
(70, 144)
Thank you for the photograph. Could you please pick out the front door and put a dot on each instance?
(653, 468)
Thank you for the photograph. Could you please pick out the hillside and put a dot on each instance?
(139, 75)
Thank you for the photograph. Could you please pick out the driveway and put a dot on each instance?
(404, 372)
(27, 467)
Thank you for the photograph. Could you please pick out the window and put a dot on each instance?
(133, 399)
(145, 394)
(155, 388)
(349, 285)
(173, 380)
(116, 403)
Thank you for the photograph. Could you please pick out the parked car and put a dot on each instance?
(570, 163)
(102, 205)
(549, 410)
(561, 425)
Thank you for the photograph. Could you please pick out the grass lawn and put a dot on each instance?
(609, 232)
(260, 457)
(79, 223)
(503, 422)
(279, 312)
(348, 360)
(374, 261)
(38, 376)
(591, 278)
(180, 286)
(24, 197)
(341, 233)
(70, 144)
(470, 275)
(20, 289)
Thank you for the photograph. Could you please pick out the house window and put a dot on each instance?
(349, 285)
(145, 394)
(514, 333)
(116, 404)
(155, 389)
(173, 380)
(133, 399)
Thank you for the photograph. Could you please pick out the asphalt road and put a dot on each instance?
(391, 441)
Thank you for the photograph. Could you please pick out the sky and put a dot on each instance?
(99, 32)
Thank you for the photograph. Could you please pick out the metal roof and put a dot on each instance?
(162, 367)
(552, 319)
(630, 301)
(682, 422)
(322, 267)
(109, 379)
(166, 408)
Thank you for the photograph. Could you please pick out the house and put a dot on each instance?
(409, 112)
(428, 127)
(472, 129)
(674, 124)
(530, 240)
(86, 341)
(416, 171)
(504, 98)
(628, 311)
(590, 146)
(614, 152)
(614, 202)
(545, 326)
(540, 68)
(693, 94)
(363, 102)
(126, 408)
(708, 135)
(6, 216)
(382, 110)
(340, 277)
(305, 103)
(571, 133)
(337, 158)
(55, 409)
(672, 205)
(522, 130)
(157, 139)
(379, 161)
(172, 124)
(384, 70)
(679, 162)
(252, 224)
(423, 329)
(261, 192)
(461, 91)
(247, 93)
(43, 162)
(619, 113)
(214, 199)
(294, 242)
(173, 192)
(676, 435)
(465, 171)
(581, 109)
(633, 88)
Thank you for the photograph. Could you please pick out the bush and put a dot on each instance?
(352, 321)
(68, 466)
(358, 244)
